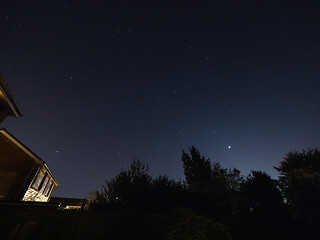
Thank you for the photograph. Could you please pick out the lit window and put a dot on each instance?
(38, 180)
(44, 183)
(48, 188)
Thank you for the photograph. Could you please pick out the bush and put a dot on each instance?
(188, 225)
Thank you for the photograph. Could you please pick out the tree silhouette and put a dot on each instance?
(263, 207)
(135, 188)
(215, 188)
(300, 183)
(129, 188)
(261, 193)
(255, 207)
(167, 194)
(197, 170)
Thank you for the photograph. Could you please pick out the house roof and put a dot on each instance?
(25, 149)
(5, 93)
(68, 201)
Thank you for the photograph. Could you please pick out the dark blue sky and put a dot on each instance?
(102, 82)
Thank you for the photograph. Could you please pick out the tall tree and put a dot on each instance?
(129, 188)
(225, 186)
(135, 188)
(215, 187)
(197, 170)
(261, 193)
(300, 182)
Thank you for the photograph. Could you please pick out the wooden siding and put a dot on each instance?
(38, 194)
(34, 195)
(16, 170)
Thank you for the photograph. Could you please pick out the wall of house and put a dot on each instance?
(40, 189)
(34, 195)
(15, 170)
(22, 175)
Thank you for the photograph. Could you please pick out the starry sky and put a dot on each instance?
(103, 82)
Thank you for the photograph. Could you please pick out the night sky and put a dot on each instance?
(103, 82)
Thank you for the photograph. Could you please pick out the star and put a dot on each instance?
(229, 147)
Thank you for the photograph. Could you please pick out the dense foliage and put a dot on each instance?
(217, 203)
(189, 225)
(136, 189)
(299, 181)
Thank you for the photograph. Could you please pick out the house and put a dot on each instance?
(8, 107)
(24, 176)
(71, 203)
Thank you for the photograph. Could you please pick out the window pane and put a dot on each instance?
(46, 190)
(44, 183)
(37, 181)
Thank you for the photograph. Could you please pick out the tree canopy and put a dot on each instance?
(213, 199)
(300, 183)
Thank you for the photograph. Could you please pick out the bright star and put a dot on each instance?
(229, 146)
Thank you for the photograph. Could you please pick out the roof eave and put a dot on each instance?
(9, 98)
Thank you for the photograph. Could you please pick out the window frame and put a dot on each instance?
(47, 188)
(44, 182)
(39, 173)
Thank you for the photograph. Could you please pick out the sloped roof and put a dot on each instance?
(68, 201)
(9, 98)
(25, 149)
